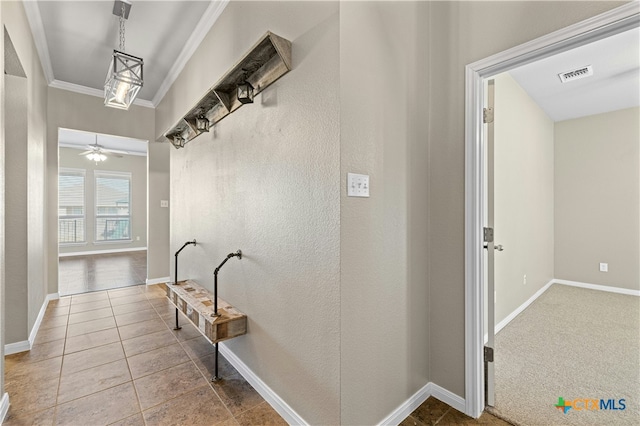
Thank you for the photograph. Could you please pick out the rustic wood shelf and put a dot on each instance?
(196, 302)
(267, 61)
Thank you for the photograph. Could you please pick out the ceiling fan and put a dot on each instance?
(97, 153)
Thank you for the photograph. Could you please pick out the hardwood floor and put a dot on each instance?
(82, 274)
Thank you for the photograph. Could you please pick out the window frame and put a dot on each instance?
(76, 172)
(118, 175)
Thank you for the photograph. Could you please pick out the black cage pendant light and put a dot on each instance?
(124, 78)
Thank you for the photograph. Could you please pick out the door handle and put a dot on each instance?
(499, 247)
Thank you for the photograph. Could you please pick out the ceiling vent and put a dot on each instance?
(576, 74)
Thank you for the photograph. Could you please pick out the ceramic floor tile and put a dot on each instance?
(168, 384)
(141, 328)
(89, 358)
(56, 311)
(231, 421)
(135, 420)
(411, 421)
(32, 396)
(124, 292)
(199, 407)
(88, 297)
(39, 418)
(198, 347)
(168, 310)
(52, 322)
(27, 372)
(160, 301)
(107, 406)
(42, 351)
(262, 414)
(430, 411)
(206, 365)
(63, 301)
(91, 340)
(455, 417)
(129, 299)
(90, 326)
(132, 307)
(148, 342)
(156, 360)
(237, 394)
(91, 315)
(92, 380)
(89, 306)
(134, 317)
(51, 334)
(187, 332)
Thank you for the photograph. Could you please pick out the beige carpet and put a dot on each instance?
(571, 343)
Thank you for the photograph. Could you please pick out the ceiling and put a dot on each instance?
(615, 83)
(75, 40)
(76, 139)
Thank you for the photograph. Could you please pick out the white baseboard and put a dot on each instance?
(4, 407)
(17, 347)
(407, 407)
(607, 288)
(86, 253)
(278, 404)
(430, 389)
(158, 280)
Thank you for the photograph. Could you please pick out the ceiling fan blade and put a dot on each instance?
(111, 154)
(86, 152)
(116, 151)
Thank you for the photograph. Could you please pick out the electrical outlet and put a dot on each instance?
(604, 267)
(524, 280)
(137, 238)
(357, 185)
(164, 203)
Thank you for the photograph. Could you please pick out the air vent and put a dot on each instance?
(576, 74)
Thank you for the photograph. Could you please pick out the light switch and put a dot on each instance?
(164, 203)
(357, 185)
(604, 267)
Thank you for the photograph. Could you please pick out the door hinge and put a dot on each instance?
(487, 115)
(488, 235)
(488, 354)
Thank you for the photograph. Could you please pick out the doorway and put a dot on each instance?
(605, 25)
(102, 211)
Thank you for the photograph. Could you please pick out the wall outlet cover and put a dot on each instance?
(357, 185)
(604, 267)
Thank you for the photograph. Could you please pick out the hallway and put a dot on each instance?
(82, 274)
(112, 357)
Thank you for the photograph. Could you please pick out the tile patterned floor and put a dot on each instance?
(435, 412)
(81, 274)
(112, 357)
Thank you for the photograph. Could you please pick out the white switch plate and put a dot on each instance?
(604, 267)
(164, 203)
(357, 185)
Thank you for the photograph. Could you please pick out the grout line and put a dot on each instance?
(442, 416)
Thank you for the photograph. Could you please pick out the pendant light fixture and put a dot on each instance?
(124, 78)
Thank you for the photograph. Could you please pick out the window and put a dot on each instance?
(71, 209)
(113, 211)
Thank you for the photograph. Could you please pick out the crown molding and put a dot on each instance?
(40, 40)
(71, 87)
(209, 17)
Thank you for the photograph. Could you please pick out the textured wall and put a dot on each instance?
(266, 180)
(34, 249)
(461, 33)
(383, 239)
(597, 203)
(88, 113)
(137, 165)
(523, 196)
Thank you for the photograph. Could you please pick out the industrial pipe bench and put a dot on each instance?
(196, 302)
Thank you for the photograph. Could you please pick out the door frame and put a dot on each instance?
(598, 27)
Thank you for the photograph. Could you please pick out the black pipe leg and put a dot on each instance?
(177, 325)
(215, 377)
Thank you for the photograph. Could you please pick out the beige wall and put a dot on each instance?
(523, 196)
(2, 214)
(267, 180)
(597, 175)
(33, 290)
(461, 33)
(384, 295)
(137, 166)
(88, 113)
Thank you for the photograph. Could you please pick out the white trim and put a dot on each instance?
(84, 253)
(84, 90)
(158, 280)
(209, 17)
(278, 404)
(402, 412)
(43, 309)
(17, 347)
(595, 28)
(32, 10)
(4, 407)
(448, 397)
(599, 287)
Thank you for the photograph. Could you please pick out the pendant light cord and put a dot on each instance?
(122, 28)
